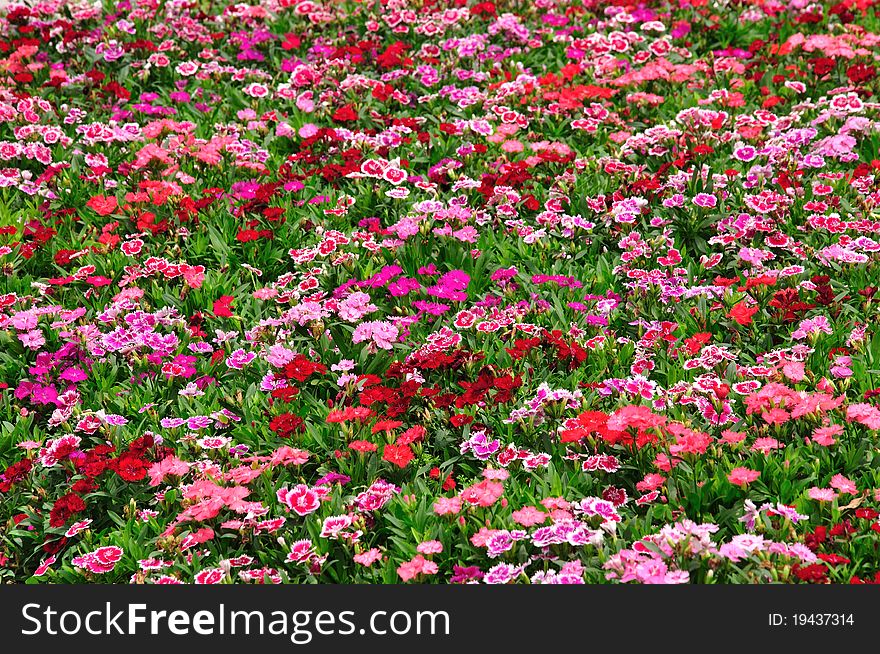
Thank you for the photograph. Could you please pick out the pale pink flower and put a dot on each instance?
(822, 494)
(430, 547)
(447, 505)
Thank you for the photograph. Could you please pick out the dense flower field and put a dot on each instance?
(524, 291)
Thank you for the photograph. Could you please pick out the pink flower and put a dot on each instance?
(742, 476)
(843, 484)
(430, 547)
(705, 200)
(553, 503)
(210, 576)
(447, 505)
(651, 481)
(369, 557)
(238, 359)
(301, 499)
(775, 416)
(101, 561)
(822, 494)
(334, 526)
(194, 275)
(825, 435)
(766, 445)
(635, 416)
(33, 339)
(382, 334)
(170, 465)
(418, 566)
(529, 516)
(301, 551)
(793, 370)
(44, 566)
(355, 306)
(732, 437)
(286, 455)
(865, 414)
(485, 493)
(77, 527)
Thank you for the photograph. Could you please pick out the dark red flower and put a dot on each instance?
(616, 496)
(16, 472)
(815, 573)
(861, 73)
(286, 424)
(130, 467)
(64, 507)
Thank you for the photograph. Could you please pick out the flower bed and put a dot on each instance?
(439, 292)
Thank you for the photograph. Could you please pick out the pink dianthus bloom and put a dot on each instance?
(742, 476)
(447, 505)
(529, 516)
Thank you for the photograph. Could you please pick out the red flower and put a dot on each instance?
(286, 424)
(15, 472)
(814, 573)
(399, 455)
(483, 8)
(65, 506)
(867, 514)
(616, 496)
(84, 486)
(858, 580)
(385, 425)
(696, 342)
(285, 394)
(822, 65)
(412, 435)
(64, 257)
(130, 467)
(102, 205)
(833, 559)
(291, 41)
(742, 314)
(247, 235)
(55, 546)
(139, 445)
(223, 306)
(861, 73)
(301, 368)
(345, 113)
